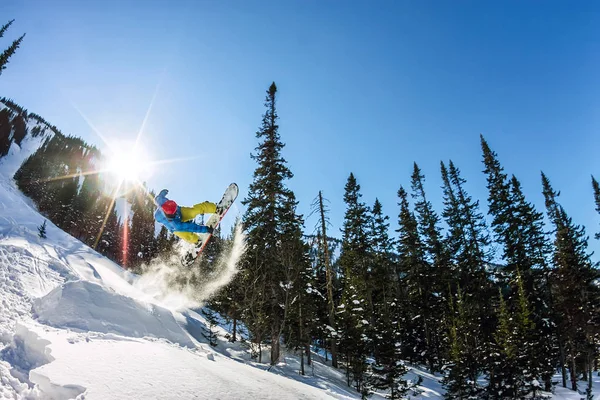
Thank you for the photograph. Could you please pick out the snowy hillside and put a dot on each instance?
(35, 132)
(72, 323)
(75, 325)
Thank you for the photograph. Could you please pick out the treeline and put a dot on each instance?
(429, 294)
(14, 122)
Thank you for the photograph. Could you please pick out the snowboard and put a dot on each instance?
(222, 207)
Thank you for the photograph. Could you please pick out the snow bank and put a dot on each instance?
(138, 369)
(87, 306)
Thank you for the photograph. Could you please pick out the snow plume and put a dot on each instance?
(177, 287)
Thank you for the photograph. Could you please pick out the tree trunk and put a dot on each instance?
(348, 369)
(562, 361)
(301, 334)
(234, 338)
(308, 354)
(329, 276)
(590, 379)
(274, 346)
(573, 372)
(259, 352)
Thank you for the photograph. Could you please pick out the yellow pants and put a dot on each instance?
(189, 213)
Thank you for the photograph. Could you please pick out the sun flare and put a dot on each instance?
(128, 163)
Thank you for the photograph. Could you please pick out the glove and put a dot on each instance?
(163, 193)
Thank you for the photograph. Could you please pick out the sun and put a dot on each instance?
(128, 162)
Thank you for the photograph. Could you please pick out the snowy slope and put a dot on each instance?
(72, 323)
(10, 163)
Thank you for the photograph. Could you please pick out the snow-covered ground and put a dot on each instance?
(72, 324)
(75, 325)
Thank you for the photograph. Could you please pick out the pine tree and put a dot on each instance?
(301, 316)
(298, 300)
(500, 207)
(142, 246)
(5, 130)
(353, 309)
(535, 279)
(438, 272)
(88, 195)
(163, 245)
(326, 261)
(513, 361)
(503, 382)
(209, 332)
(596, 187)
(271, 213)
(528, 342)
(62, 213)
(519, 228)
(42, 230)
(387, 371)
(109, 243)
(414, 283)
(467, 242)
(5, 27)
(576, 296)
(461, 380)
(6, 54)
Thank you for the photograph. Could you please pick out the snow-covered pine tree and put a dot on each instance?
(415, 294)
(467, 242)
(324, 258)
(504, 374)
(163, 245)
(207, 264)
(6, 54)
(141, 233)
(576, 294)
(109, 239)
(596, 188)
(62, 212)
(535, 287)
(460, 380)
(229, 301)
(92, 207)
(512, 373)
(271, 207)
(303, 302)
(519, 229)
(388, 369)
(210, 333)
(353, 315)
(299, 296)
(438, 270)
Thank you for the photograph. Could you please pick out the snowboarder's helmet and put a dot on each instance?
(170, 208)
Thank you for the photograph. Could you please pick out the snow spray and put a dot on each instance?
(176, 287)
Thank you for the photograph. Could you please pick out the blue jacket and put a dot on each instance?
(175, 224)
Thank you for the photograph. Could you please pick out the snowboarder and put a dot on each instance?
(180, 220)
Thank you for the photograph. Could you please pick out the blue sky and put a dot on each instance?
(364, 87)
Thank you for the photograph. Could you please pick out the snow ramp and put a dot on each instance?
(86, 306)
